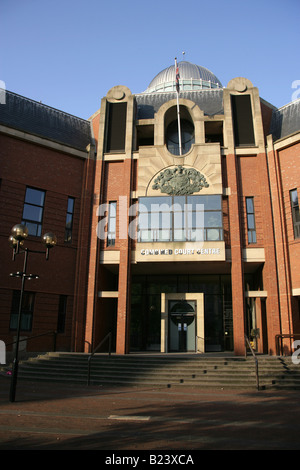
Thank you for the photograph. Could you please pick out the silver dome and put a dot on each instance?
(192, 77)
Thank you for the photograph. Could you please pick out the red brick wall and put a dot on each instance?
(237, 275)
(248, 176)
(289, 160)
(60, 175)
(250, 187)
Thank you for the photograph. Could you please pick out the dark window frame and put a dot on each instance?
(243, 120)
(295, 213)
(34, 224)
(251, 223)
(116, 123)
(112, 218)
(187, 131)
(177, 219)
(69, 220)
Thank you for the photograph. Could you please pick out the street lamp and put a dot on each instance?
(19, 233)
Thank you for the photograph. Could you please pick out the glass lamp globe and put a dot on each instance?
(19, 232)
(49, 239)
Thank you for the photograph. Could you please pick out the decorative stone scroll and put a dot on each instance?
(180, 181)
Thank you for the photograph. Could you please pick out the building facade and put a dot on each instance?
(176, 214)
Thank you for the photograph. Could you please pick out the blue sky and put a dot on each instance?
(69, 53)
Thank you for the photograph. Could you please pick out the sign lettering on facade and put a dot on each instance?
(206, 251)
(180, 251)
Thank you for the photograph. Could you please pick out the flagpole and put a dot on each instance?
(178, 108)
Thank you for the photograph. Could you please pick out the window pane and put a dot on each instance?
(179, 235)
(70, 205)
(69, 219)
(110, 239)
(210, 202)
(112, 213)
(197, 235)
(164, 235)
(251, 236)
(112, 225)
(251, 221)
(33, 213)
(146, 236)
(295, 212)
(112, 209)
(196, 202)
(179, 203)
(144, 221)
(35, 196)
(148, 204)
(294, 197)
(250, 207)
(33, 229)
(143, 206)
(213, 234)
(178, 220)
(213, 219)
(165, 221)
(195, 220)
(154, 221)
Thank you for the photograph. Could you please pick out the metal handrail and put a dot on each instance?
(279, 342)
(108, 336)
(255, 358)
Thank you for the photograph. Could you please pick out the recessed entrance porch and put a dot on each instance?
(204, 323)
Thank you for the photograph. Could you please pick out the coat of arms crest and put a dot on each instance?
(180, 181)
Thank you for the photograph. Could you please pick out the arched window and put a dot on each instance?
(187, 136)
(186, 129)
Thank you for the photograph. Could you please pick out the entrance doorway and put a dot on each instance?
(182, 325)
(182, 322)
(149, 318)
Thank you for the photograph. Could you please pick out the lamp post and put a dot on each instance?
(19, 233)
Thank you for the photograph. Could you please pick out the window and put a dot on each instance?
(62, 311)
(69, 220)
(112, 222)
(242, 120)
(116, 127)
(27, 311)
(187, 136)
(33, 211)
(295, 212)
(250, 220)
(214, 132)
(180, 218)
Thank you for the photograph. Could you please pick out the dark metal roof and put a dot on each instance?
(36, 118)
(286, 120)
(209, 101)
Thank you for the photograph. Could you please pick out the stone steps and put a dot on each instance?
(165, 370)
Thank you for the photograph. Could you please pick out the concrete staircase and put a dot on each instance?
(164, 370)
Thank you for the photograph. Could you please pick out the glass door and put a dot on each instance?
(182, 325)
